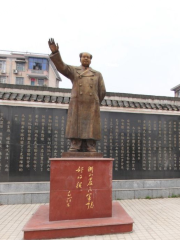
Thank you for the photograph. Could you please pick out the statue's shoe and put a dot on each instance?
(72, 150)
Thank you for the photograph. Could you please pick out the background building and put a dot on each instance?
(28, 69)
(176, 90)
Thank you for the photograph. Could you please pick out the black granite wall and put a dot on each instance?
(143, 145)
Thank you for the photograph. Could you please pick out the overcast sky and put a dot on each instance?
(135, 43)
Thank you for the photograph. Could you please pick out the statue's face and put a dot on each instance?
(85, 59)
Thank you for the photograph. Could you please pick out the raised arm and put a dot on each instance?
(55, 56)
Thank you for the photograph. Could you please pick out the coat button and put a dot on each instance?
(90, 94)
(91, 86)
(81, 93)
(91, 78)
(80, 84)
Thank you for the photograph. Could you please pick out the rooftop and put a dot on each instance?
(8, 53)
(62, 96)
(177, 87)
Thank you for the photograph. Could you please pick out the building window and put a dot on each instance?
(2, 66)
(40, 82)
(19, 80)
(178, 93)
(38, 63)
(2, 79)
(20, 66)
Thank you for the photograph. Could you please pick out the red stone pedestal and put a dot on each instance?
(80, 200)
(39, 226)
(80, 188)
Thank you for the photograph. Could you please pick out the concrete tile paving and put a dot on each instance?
(157, 219)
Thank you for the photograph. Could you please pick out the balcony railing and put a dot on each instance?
(37, 71)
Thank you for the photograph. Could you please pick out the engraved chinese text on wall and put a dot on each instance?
(142, 145)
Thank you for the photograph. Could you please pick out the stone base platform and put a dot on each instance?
(39, 226)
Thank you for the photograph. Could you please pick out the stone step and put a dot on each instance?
(24, 187)
(24, 197)
(116, 184)
(117, 194)
(38, 192)
(145, 183)
(122, 194)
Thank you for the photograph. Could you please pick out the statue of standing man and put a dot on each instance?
(88, 91)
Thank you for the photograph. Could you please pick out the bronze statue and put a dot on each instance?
(88, 91)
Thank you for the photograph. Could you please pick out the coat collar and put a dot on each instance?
(80, 71)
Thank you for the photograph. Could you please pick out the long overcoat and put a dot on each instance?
(87, 93)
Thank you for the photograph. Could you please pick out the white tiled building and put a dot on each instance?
(28, 69)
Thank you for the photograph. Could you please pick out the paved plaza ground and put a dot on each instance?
(153, 219)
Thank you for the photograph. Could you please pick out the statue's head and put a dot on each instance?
(85, 59)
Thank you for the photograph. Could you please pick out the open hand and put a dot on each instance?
(54, 47)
